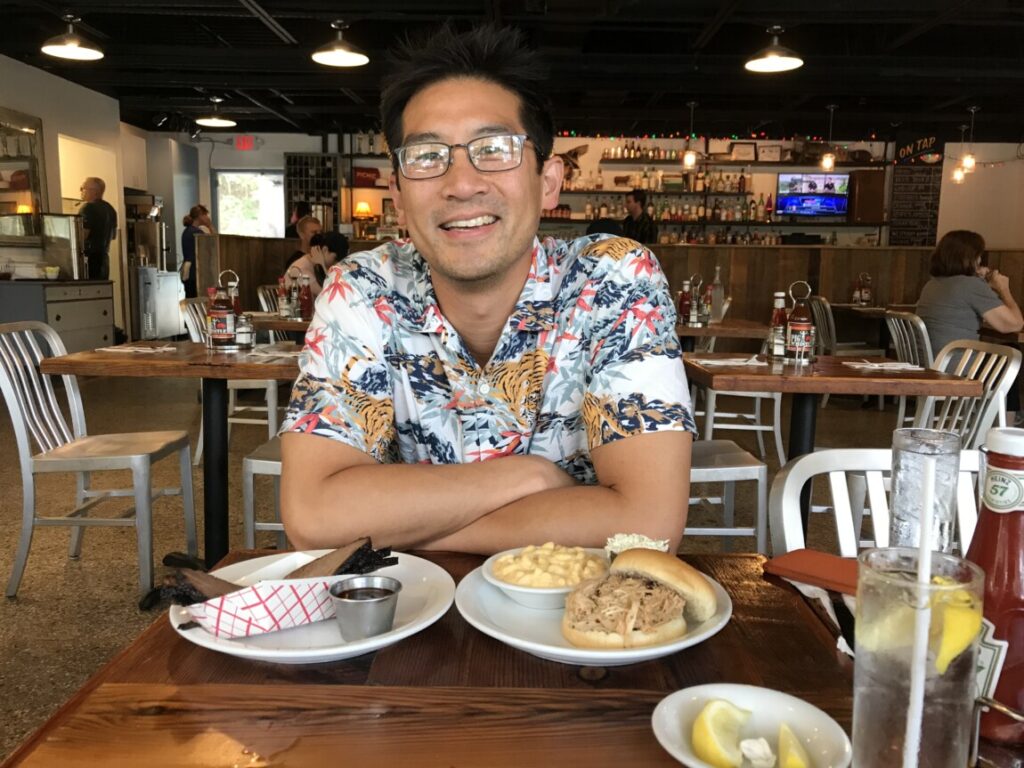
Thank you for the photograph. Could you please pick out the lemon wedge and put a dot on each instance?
(961, 622)
(716, 734)
(791, 752)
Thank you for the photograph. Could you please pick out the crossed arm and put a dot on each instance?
(332, 493)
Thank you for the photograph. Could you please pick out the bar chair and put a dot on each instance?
(40, 425)
(912, 345)
(194, 313)
(265, 460)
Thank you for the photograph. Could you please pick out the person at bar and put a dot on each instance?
(474, 388)
(962, 295)
(195, 222)
(99, 224)
(638, 225)
(325, 250)
(307, 226)
(299, 211)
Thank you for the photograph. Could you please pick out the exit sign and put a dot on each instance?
(245, 142)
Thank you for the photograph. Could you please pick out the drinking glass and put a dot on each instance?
(889, 601)
(909, 449)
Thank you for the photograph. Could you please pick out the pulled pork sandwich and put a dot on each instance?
(645, 599)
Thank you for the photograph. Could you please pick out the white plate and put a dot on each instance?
(427, 592)
(539, 632)
(825, 741)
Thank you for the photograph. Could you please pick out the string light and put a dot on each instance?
(828, 160)
(967, 162)
(689, 156)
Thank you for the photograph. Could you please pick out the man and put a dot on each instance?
(638, 225)
(299, 211)
(473, 388)
(99, 221)
(305, 227)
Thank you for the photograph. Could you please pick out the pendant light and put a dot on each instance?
(958, 172)
(339, 53)
(690, 156)
(968, 161)
(774, 58)
(828, 160)
(71, 45)
(215, 119)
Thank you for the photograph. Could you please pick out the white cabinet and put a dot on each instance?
(82, 312)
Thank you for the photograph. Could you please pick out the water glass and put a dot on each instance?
(889, 601)
(909, 449)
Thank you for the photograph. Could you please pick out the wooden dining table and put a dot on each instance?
(447, 696)
(215, 368)
(726, 329)
(272, 321)
(826, 375)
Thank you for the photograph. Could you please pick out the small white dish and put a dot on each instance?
(826, 743)
(538, 598)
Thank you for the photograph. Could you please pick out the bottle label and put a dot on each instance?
(991, 655)
(221, 324)
(1004, 490)
(799, 337)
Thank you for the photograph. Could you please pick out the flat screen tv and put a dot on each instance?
(812, 194)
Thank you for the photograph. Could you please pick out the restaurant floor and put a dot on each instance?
(71, 616)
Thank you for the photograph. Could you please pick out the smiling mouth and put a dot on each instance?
(474, 223)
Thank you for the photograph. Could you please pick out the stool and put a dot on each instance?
(722, 461)
(265, 460)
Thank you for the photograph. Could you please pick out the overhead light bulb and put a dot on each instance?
(689, 159)
(215, 120)
(958, 175)
(967, 162)
(339, 53)
(774, 58)
(828, 161)
(71, 45)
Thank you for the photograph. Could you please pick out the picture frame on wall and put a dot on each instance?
(770, 154)
(743, 150)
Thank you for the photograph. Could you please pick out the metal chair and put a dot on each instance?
(826, 340)
(265, 460)
(995, 366)
(194, 314)
(267, 294)
(912, 345)
(839, 464)
(40, 425)
(722, 461)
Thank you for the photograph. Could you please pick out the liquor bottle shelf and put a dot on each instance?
(747, 224)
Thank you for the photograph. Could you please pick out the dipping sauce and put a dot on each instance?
(365, 593)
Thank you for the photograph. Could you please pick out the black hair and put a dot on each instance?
(302, 208)
(639, 195)
(487, 52)
(605, 226)
(336, 243)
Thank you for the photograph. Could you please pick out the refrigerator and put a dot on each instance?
(154, 285)
(158, 313)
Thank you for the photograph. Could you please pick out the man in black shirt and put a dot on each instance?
(638, 225)
(99, 220)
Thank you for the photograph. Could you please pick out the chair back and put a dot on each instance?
(193, 312)
(37, 418)
(876, 464)
(995, 366)
(267, 295)
(910, 338)
(707, 343)
(824, 324)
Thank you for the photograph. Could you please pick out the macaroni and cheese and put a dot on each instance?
(549, 565)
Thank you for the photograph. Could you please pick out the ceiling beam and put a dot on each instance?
(271, 110)
(269, 21)
(725, 10)
(914, 32)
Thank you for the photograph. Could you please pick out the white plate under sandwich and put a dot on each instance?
(538, 632)
(427, 593)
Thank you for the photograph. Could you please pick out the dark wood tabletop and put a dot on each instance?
(272, 321)
(448, 696)
(185, 360)
(732, 329)
(825, 375)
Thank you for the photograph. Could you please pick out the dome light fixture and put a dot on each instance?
(774, 58)
(689, 156)
(71, 45)
(339, 53)
(214, 119)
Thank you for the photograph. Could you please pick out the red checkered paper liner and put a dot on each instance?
(268, 606)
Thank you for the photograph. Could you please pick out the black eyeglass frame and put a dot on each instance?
(399, 155)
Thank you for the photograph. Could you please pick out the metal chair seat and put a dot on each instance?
(722, 461)
(115, 451)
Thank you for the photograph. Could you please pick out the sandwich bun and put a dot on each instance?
(669, 570)
(595, 638)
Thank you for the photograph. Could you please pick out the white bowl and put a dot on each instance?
(825, 741)
(542, 598)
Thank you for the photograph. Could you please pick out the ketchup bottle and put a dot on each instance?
(998, 548)
(683, 302)
(305, 299)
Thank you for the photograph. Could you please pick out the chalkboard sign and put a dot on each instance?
(914, 210)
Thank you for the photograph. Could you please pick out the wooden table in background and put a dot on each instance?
(808, 382)
(272, 321)
(727, 329)
(448, 696)
(195, 361)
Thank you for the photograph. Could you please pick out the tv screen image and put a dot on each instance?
(812, 194)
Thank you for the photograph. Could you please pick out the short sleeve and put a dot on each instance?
(344, 389)
(635, 382)
(981, 297)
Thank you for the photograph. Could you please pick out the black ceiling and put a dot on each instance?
(618, 66)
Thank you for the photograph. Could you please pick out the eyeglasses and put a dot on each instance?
(489, 154)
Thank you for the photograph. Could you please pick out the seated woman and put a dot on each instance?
(962, 295)
(325, 250)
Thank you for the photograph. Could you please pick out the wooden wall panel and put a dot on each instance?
(257, 260)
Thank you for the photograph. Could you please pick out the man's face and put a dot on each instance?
(90, 191)
(632, 206)
(309, 229)
(473, 228)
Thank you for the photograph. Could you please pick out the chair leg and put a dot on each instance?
(759, 434)
(271, 410)
(199, 446)
(82, 481)
(710, 403)
(232, 404)
(728, 512)
(248, 508)
(901, 411)
(143, 523)
(188, 501)
(824, 400)
(282, 539)
(761, 524)
(28, 520)
(857, 486)
(777, 429)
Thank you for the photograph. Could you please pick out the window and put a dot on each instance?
(249, 203)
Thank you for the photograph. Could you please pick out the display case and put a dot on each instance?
(22, 171)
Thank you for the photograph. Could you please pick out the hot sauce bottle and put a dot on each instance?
(305, 299)
(221, 319)
(998, 548)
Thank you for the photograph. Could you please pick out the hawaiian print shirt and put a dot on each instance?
(588, 356)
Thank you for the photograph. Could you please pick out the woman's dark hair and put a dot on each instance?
(957, 253)
(494, 54)
(336, 243)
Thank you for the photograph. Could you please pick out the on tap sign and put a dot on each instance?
(923, 149)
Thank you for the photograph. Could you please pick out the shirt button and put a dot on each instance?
(484, 388)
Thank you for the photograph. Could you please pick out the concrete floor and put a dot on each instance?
(71, 616)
